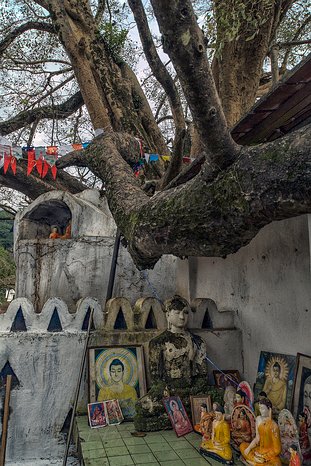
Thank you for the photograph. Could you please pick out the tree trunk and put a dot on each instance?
(107, 96)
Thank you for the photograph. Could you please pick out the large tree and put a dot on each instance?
(230, 192)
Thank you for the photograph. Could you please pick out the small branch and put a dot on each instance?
(274, 53)
(32, 133)
(39, 26)
(60, 112)
(293, 43)
(100, 11)
(164, 118)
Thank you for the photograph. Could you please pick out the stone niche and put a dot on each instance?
(74, 268)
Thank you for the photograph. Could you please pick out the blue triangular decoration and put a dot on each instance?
(120, 323)
(5, 371)
(19, 324)
(55, 324)
(86, 321)
(151, 320)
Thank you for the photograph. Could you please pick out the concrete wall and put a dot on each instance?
(267, 284)
(75, 268)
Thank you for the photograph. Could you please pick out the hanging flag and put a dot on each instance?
(31, 155)
(17, 152)
(64, 149)
(76, 146)
(147, 157)
(39, 156)
(153, 157)
(50, 160)
(4, 149)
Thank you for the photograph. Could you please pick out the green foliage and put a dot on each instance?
(115, 38)
(7, 271)
(6, 231)
(229, 19)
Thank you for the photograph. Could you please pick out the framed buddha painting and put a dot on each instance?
(301, 404)
(177, 415)
(227, 377)
(199, 404)
(117, 373)
(275, 377)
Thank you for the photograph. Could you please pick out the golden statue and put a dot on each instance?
(266, 446)
(218, 447)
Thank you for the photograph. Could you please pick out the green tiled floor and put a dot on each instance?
(114, 446)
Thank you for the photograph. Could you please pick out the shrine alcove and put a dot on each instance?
(37, 223)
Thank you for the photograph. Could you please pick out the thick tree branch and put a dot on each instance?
(33, 186)
(38, 25)
(59, 112)
(184, 42)
(267, 182)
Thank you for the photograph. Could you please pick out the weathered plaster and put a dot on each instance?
(267, 284)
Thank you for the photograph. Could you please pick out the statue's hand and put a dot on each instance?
(259, 458)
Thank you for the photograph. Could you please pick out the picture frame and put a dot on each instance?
(97, 415)
(177, 415)
(221, 381)
(117, 372)
(275, 376)
(196, 401)
(301, 401)
(113, 412)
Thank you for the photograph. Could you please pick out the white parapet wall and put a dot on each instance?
(44, 352)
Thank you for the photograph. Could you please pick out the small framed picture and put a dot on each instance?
(200, 404)
(227, 377)
(97, 415)
(301, 402)
(113, 412)
(117, 373)
(178, 416)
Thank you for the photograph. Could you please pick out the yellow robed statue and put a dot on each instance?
(218, 447)
(266, 446)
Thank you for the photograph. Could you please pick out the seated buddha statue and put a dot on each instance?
(54, 232)
(218, 447)
(241, 429)
(266, 446)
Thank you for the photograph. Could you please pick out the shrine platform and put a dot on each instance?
(115, 446)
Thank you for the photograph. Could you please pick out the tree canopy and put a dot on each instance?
(71, 63)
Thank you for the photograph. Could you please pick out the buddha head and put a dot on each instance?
(240, 397)
(177, 312)
(116, 370)
(203, 408)
(219, 411)
(265, 407)
(276, 370)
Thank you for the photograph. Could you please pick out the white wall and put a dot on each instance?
(267, 282)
